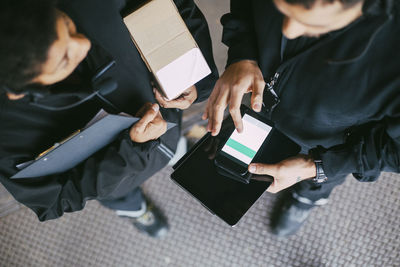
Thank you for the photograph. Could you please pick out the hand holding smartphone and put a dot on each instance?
(240, 149)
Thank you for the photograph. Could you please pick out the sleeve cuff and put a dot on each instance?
(336, 162)
(242, 51)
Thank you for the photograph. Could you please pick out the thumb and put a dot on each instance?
(261, 168)
(257, 95)
(147, 117)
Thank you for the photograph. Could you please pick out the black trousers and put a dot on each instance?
(130, 202)
(129, 196)
(315, 192)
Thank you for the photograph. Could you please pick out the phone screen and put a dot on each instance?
(244, 146)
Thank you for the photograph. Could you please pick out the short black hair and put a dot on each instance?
(27, 30)
(309, 3)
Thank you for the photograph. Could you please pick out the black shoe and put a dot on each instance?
(152, 222)
(289, 216)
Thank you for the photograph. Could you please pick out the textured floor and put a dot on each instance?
(360, 227)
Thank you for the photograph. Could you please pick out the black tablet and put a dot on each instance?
(226, 198)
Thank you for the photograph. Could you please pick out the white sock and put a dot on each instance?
(135, 213)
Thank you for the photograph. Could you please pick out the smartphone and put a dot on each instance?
(241, 148)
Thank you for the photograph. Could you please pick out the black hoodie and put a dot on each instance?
(341, 95)
(34, 123)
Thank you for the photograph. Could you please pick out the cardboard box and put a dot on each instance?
(167, 47)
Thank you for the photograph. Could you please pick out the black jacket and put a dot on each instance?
(28, 127)
(340, 96)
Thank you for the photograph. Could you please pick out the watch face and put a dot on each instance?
(320, 179)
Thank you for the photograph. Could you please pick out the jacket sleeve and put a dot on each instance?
(120, 167)
(197, 25)
(239, 33)
(368, 150)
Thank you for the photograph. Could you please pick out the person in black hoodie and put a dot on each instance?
(329, 70)
(61, 63)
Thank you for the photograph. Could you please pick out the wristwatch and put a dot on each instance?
(320, 177)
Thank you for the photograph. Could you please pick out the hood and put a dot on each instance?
(376, 15)
(89, 79)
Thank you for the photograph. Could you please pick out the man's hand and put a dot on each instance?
(239, 78)
(150, 126)
(287, 172)
(182, 102)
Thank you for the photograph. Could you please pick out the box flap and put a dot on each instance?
(154, 25)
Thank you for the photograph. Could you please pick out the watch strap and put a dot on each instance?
(320, 177)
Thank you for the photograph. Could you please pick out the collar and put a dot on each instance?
(376, 15)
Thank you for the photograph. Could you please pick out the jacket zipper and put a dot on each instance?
(270, 87)
(272, 82)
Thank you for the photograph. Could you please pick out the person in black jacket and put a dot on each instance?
(60, 65)
(333, 66)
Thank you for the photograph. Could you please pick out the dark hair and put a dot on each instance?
(27, 30)
(309, 3)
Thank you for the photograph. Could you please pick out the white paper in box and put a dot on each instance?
(182, 73)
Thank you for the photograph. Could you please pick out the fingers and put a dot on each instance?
(160, 99)
(262, 178)
(257, 95)
(149, 116)
(184, 101)
(287, 172)
(205, 113)
(215, 109)
(261, 168)
(269, 170)
(238, 79)
(235, 101)
(150, 127)
(159, 126)
(143, 109)
(208, 110)
(217, 115)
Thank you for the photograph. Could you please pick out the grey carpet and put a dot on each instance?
(359, 227)
(7, 202)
